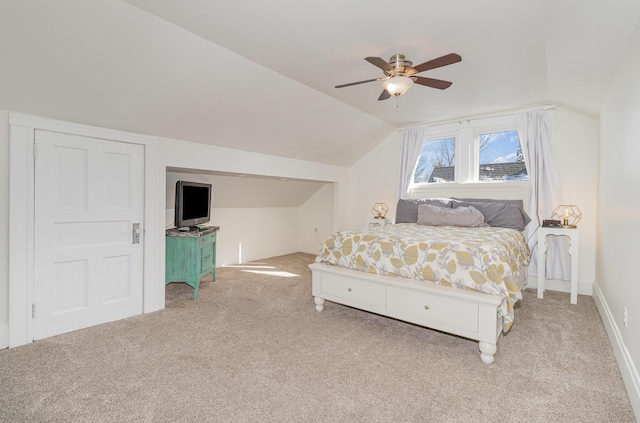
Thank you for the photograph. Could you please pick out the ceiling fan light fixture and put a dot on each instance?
(397, 85)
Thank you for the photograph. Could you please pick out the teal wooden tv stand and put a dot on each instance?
(190, 256)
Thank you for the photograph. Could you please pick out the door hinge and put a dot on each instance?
(35, 148)
(33, 311)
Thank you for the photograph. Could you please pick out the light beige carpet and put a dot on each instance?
(252, 348)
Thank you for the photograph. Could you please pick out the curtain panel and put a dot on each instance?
(535, 129)
(412, 141)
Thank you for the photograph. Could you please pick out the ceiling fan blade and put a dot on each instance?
(430, 82)
(379, 62)
(439, 62)
(356, 83)
(385, 95)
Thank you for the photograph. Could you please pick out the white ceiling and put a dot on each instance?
(259, 75)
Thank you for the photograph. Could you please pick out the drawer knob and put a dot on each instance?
(349, 289)
(426, 307)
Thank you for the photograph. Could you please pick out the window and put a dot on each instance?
(478, 150)
(436, 162)
(501, 157)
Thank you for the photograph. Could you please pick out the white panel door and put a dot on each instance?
(88, 196)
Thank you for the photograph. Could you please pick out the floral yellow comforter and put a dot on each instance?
(485, 259)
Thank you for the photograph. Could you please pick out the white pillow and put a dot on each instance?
(468, 217)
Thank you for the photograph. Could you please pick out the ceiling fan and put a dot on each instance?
(400, 74)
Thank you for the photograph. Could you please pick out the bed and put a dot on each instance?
(459, 267)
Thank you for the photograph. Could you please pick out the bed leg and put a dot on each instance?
(487, 351)
(319, 303)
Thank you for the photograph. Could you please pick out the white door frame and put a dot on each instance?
(21, 217)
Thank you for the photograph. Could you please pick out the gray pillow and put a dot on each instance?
(407, 210)
(440, 216)
(518, 203)
(499, 213)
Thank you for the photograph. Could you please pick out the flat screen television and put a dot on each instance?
(193, 204)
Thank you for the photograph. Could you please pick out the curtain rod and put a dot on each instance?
(544, 107)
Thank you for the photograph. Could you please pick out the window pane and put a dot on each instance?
(436, 162)
(501, 157)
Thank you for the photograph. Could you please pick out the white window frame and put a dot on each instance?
(467, 144)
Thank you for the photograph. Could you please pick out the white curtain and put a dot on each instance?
(535, 129)
(412, 141)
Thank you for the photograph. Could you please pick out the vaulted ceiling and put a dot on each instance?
(260, 75)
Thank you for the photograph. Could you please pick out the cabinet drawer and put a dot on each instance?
(433, 308)
(207, 239)
(207, 257)
(355, 291)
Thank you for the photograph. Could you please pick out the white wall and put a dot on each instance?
(4, 234)
(315, 220)
(618, 218)
(250, 234)
(374, 179)
(576, 145)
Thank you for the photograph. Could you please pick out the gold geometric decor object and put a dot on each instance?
(569, 214)
(379, 210)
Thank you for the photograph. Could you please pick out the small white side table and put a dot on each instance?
(373, 223)
(572, 233)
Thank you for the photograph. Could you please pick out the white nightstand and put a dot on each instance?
(572, 233)
(373, 223)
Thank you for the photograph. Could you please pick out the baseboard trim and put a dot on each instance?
(625, 362)
(4, 335)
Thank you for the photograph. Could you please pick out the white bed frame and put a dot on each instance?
(470, 314)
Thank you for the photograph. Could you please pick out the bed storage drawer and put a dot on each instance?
(354, 291)
(426, 307)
